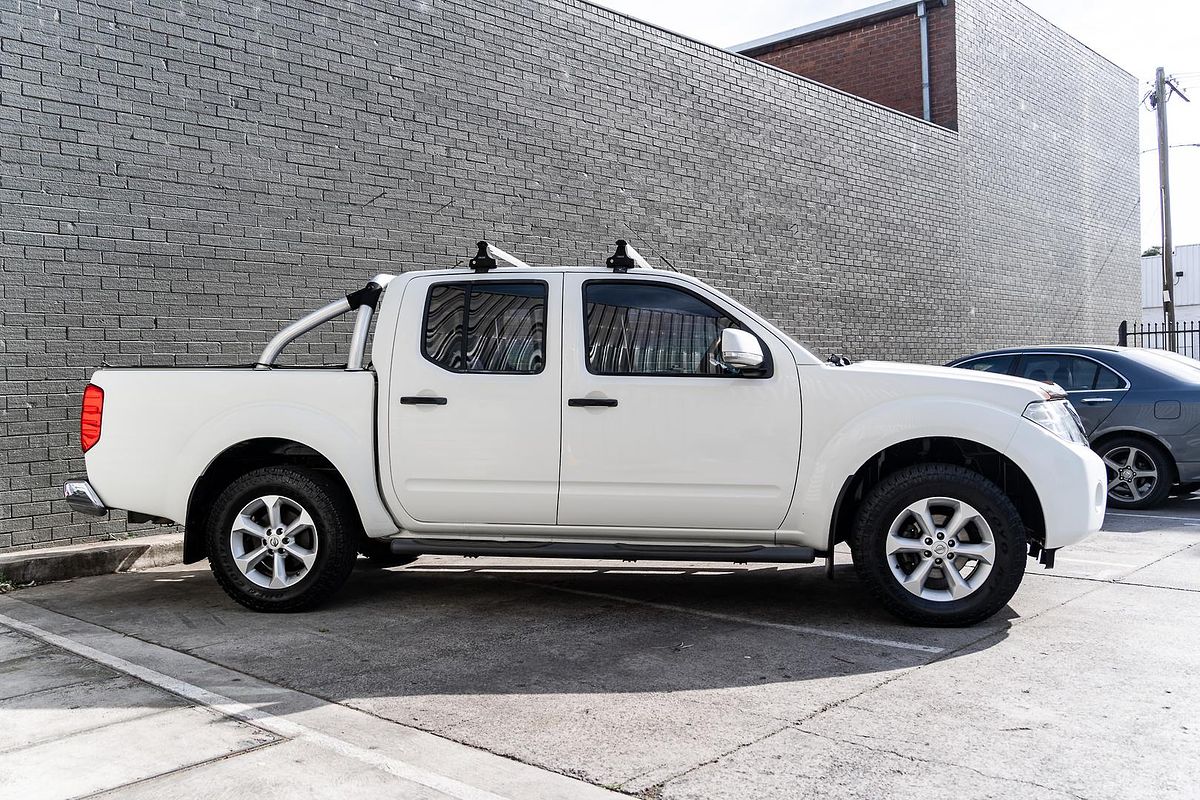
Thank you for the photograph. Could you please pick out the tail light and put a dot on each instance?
(89, 420)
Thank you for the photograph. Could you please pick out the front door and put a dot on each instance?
(475, 390)
(657, 431)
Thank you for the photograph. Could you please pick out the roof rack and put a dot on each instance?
(485, 259)
(626, 258)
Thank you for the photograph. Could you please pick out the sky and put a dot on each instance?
(1137, 36)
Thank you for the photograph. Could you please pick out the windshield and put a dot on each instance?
(1177, 366)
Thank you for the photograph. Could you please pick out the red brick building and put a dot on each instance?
(885, 53)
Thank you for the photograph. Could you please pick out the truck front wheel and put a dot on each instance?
(940, 545)
(281, 538)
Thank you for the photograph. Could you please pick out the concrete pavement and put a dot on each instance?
(86, 711)
(665, 681)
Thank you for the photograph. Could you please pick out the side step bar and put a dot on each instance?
(623, 552)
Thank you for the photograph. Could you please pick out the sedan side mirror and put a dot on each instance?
(740, 349)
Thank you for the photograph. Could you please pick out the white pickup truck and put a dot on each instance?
(599, 412)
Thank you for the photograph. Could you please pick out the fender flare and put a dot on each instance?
(825, 470)
(331, 438)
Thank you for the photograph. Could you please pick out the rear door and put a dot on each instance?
(1093, 389)
(476, 389)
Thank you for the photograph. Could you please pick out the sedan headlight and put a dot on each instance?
(1058, 417)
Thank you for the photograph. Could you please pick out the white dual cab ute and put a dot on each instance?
(616, 412)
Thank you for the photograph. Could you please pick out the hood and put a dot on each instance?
(925, 379)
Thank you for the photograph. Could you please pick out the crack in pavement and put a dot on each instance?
(918, 760)
(1124, 579)
(113, 790)
(875, 687)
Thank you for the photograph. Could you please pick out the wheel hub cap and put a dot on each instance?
(273, 540)
(940, 549)
(1132, 474)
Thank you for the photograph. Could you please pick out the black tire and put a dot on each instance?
(379, 553)
(889, 500)
(334, 534)
(1117, 450)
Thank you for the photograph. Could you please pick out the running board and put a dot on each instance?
(623, 552)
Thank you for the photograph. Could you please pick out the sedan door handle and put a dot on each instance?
(422, 400)
(1095, 400)
(592, 402)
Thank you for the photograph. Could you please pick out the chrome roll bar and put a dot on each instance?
(358, 340)
(364, 301)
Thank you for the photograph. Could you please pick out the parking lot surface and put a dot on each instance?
(525, 678)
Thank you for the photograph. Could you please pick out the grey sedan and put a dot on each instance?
(1140, 409)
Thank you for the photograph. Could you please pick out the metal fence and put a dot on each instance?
(1183, 337)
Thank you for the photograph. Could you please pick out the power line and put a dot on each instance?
(1172, 147)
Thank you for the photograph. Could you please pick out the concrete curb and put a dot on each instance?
(96, 558)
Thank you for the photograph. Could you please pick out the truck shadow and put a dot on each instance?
(596, 670)
(444, 627)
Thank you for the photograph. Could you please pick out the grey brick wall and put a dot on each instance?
(1050, 178)
(178, 180)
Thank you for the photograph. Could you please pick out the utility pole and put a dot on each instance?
(1159, 101)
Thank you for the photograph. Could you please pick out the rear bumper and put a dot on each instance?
(81, 497)
(1189, 471)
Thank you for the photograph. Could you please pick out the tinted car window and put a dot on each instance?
(486, 326)
(651, 329)
(1107, 379)
(997, 364)
(1070, 372)
(445, 311)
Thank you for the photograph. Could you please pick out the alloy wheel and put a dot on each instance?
(1132, 474)
(940, 549)
(273, 540)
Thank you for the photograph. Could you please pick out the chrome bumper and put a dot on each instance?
(82, 497)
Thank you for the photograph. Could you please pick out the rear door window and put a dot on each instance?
(1107, 379)
(486, 327)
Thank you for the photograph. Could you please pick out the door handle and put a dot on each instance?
(592, 402)
(422, 400)
(1095, 400)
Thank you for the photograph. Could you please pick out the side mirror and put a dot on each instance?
(740, 349)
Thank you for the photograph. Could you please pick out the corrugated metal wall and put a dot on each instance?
(1187, 288)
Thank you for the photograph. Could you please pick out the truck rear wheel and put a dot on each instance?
(940, 545)
(281, 539)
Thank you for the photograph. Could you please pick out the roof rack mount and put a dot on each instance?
(485, 260)
(626, 258)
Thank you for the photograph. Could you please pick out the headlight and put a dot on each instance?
(1058, 417)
